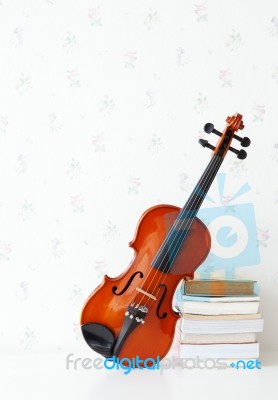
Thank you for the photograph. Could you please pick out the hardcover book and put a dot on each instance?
(211, 287)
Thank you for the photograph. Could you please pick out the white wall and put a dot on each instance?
(102, 105)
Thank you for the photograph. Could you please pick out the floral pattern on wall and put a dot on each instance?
(101, 108)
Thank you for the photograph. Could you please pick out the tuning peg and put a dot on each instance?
(241, 154)
(245, 142)
(209, 127)
(205, 143)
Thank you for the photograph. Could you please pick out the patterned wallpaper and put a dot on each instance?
(102, 104)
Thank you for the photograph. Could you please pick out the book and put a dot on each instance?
(223, 350)
(218, 308)
(212, 338)
(217, 287)
(184, 297)
(236, 317)
(220, 326)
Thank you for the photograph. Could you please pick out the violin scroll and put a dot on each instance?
(234, 124)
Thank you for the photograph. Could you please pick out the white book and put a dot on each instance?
(241, 350)
(212, 308)
(210, 338)
(221, 326)
(198, 317)
(217, 299)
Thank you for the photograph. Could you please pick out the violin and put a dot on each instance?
(132, 315)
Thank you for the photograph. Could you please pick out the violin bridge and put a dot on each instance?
(146, 293)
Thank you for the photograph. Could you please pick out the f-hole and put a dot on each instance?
(164, 315)
(115, 288)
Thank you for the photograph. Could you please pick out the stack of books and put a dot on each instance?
(220, 319)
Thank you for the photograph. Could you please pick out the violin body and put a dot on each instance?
(107, 305)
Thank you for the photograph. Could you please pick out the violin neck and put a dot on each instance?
(169, 249)
(200, 191)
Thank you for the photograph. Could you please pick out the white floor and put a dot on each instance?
(44, 376)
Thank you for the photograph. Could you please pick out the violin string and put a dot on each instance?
(212, 165)
(188, 211)
(180, 242)
(214, 168)
(187, 225)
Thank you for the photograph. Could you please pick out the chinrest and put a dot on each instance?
(99, 338)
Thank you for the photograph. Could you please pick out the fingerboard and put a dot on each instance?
(171, 245)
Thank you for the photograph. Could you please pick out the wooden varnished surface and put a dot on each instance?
(155, 336)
